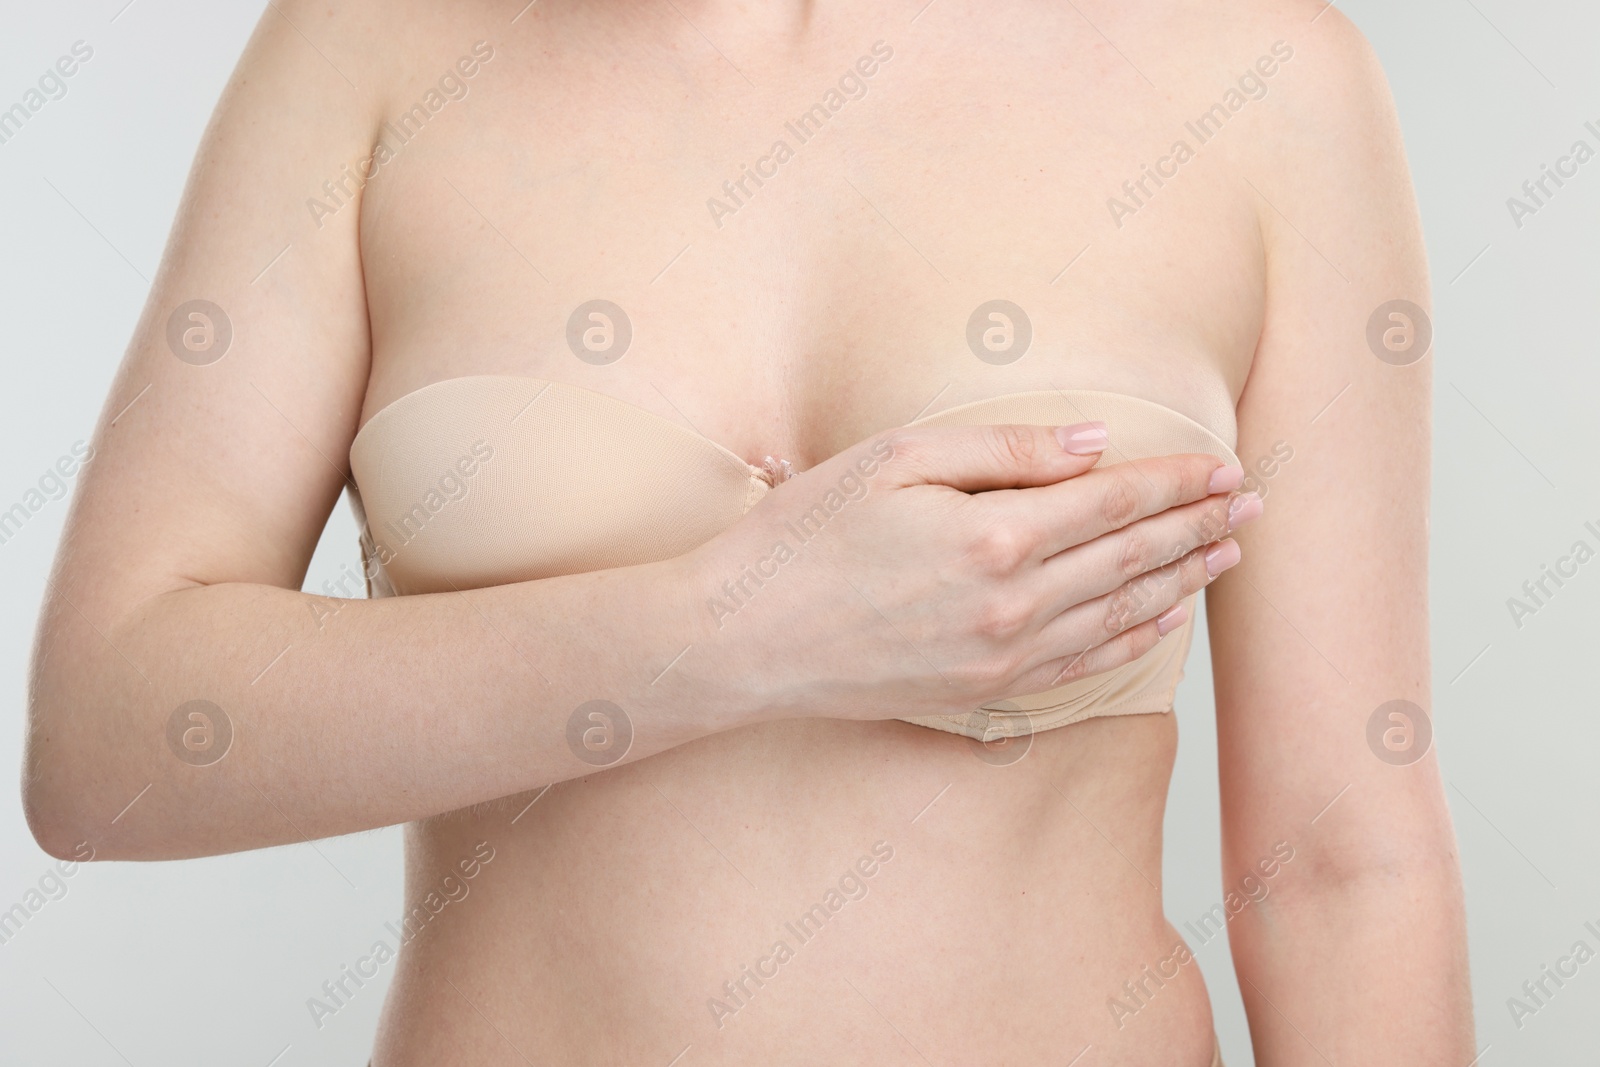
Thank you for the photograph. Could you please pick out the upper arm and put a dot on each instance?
(210, 470)
(1325, 619)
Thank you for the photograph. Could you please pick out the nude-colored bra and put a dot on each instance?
(487, 480)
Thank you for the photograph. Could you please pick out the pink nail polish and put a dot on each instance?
(1243, 508)
(1171, 619)
(1221, 556)
(1226, 479)
(1084, 439)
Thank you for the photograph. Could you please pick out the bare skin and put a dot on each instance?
(827, 309)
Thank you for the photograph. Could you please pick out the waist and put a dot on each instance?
(729, 893)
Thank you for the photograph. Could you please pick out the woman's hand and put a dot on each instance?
(939, 569)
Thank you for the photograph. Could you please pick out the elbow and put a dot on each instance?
(62, 776)
(88, 755)
(89, 793)
(56, 804)
(1376, 859)
(58, 824)
(64, 849)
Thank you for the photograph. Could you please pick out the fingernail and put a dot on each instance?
(1243, 508)
(1171, 619)
(1221, 556)
(1084, 439)
(1227, 479)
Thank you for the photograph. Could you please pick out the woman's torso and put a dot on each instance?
(622, 914)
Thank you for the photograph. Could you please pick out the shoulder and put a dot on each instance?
(1288, 66)
(1326, 106)
(368, 56)
(1318, 147)
(1310, 37)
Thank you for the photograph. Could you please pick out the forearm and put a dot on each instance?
(1358, 965)
(346, 714)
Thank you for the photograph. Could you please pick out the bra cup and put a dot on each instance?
(1138, 429)
(489, 479)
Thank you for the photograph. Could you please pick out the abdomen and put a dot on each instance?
(808, 892)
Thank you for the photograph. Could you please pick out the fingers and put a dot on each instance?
(980, 458)
(1107, 619)
(1116, 652)
(1104, 564)
(1113, 598)
(1052, 518)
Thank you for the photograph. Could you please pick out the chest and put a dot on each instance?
(789, 259)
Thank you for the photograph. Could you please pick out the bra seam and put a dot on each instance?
(727, 452)
(1089, 392)
(723, 451)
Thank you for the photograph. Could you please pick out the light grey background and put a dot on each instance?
(211, 961)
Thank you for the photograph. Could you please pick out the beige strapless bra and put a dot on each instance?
(488, 479)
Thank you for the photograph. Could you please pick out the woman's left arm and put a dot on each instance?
(1357, 952)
